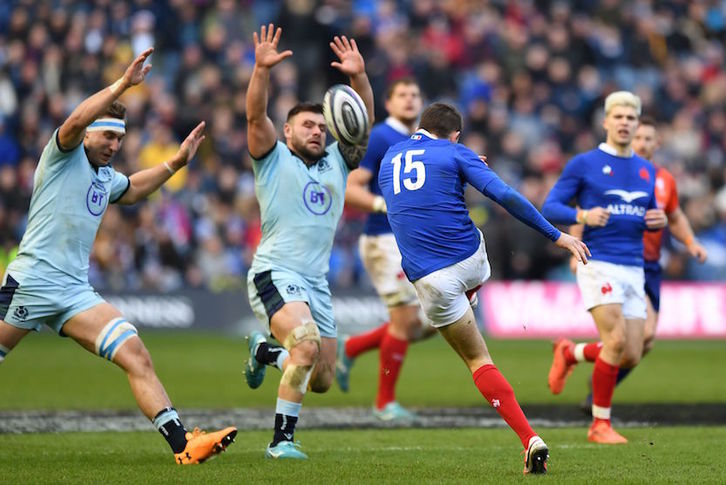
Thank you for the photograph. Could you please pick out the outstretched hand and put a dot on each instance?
(579, 249)
(189, 146)
(136, 72)
(266, 54)
(351, 61)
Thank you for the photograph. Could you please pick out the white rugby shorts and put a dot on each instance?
(382, 260)
(602, 283)
(442, 293)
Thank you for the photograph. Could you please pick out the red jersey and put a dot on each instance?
(666, 196)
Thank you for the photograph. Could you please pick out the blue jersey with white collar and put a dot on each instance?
(625, 186)
(422, 180)
(383, 136)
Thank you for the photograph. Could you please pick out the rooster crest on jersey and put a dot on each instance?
(345, 114)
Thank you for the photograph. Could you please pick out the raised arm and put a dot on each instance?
(73, 129)
(352, 65)
(144, 182)
(261, 134)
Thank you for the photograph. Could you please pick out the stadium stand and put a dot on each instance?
(529, 76)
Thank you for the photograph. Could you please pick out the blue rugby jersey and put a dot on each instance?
(623, 185)
(422, 180)
(383, 135)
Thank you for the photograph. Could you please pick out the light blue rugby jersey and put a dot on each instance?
(68, 203)
(300, 208)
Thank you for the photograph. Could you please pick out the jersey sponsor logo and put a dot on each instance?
(96, 198)
(317, 198)
(626, 210)
(627, 196)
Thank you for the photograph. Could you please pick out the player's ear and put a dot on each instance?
(454, 136)
(287, 130)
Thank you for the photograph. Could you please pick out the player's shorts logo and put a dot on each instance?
(292, 289)
(21, 313)
(317, 198)
(96, 198)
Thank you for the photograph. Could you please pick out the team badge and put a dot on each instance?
(607, 170)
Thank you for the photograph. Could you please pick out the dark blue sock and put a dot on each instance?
(622, 374)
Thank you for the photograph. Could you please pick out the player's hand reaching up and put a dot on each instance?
(351, 61)
(136, 72)
(266, 54)
(578, 248)
(189, 147)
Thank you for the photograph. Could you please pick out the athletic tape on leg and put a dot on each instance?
(306, 331)
(298, 376)
(113, 336)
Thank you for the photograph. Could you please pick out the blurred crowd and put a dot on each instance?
(530, 77)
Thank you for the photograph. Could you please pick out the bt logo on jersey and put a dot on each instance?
(317, 198)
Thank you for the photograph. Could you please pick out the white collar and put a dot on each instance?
(398, 125)
(426, 133)
(612, 151)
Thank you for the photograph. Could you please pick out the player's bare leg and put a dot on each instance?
(103, 331)
(293, 325)
(10, 336)
(611, 325)
(466, 339)
(651, 324)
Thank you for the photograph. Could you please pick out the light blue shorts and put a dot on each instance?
(30, 305)
(269, 290)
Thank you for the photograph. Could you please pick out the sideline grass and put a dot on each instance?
(654, 455)
(205, 371)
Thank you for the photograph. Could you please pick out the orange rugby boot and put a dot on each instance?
(560, 369)
(602, 432)
(202, 446)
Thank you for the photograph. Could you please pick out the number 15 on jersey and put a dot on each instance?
(409, 165)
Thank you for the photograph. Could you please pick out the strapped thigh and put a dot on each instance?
(113, 336)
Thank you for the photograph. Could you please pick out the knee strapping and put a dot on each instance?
(306, 331)
(116, 333)
(298, 376)
(3, 352)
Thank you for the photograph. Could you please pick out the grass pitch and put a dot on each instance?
(205, 371)
(657, 455)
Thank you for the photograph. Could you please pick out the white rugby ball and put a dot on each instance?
(345, 114)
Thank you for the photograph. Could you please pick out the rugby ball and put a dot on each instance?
(345, 114)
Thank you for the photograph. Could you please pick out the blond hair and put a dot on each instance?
(622, 98)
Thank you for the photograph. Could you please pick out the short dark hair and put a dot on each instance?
(405, 81)
(305, 106)
(648, 121)
(441, 119)
(117, 110)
